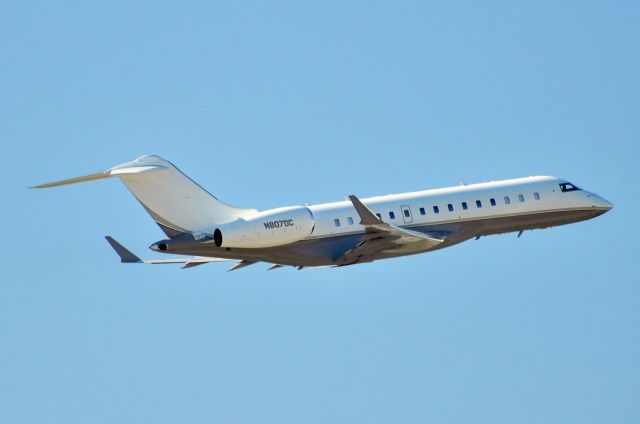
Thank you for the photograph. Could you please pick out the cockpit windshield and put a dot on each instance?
(568, 187)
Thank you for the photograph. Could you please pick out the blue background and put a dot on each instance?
(269, 104)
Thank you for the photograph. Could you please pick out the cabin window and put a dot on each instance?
(507, 200)
(392, 215)
(407, 214)
(450, 207)
(520, 198)
(536, 196)
(464, 206)
(336, 222)
(379, 216)
(568, 187)
(492, 201)
(436, 209)
(422, 211)
(478, 204)
(350, 221)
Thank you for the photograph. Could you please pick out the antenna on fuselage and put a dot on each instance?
(462, 183)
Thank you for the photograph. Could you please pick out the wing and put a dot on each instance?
(381, 237)
(126, 256)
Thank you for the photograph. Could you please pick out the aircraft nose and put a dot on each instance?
(601, 203)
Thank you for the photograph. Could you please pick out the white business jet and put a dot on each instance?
(342, 233)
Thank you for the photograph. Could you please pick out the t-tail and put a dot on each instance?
(176, 202)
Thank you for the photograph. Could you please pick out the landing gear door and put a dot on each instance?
(406, 214)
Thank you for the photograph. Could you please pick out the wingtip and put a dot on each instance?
(126, 256)
(367, 217)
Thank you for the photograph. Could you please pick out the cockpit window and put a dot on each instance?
(568, 187)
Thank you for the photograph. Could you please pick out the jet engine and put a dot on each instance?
(275, 227)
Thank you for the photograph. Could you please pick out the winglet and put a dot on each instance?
(125, 255)
(366, 216)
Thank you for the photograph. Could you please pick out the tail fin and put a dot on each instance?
(174, 201)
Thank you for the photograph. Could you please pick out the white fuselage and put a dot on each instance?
(512, 198)
(508, 202)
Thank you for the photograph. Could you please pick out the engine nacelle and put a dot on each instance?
(275, 227)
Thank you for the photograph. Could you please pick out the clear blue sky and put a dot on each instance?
(269, 104)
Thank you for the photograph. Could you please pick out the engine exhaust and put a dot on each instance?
(217, 237)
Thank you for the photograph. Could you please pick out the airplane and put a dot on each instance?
(342, 233)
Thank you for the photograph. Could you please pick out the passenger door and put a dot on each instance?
(406, 214)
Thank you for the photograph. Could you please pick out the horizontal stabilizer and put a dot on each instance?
(91, 177)
(100, 176)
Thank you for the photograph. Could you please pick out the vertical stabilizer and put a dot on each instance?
(177, 203)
